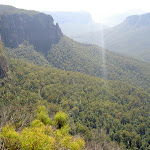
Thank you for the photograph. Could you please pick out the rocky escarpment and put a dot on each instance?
(38, 29)
(3, 67)
(3, 62)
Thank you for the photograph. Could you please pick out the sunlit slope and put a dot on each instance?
(88, 59)
(70, 55)
(118, 108)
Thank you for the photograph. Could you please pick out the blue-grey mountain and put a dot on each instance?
(74, 23)
(131, 37)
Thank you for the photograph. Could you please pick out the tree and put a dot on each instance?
(60, 119)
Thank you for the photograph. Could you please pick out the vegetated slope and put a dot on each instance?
(93, 60)
(118, 108)
(132, 37)
(93, 103)
(68, 54)
(144, 55)
(43, 133)
(26, 52)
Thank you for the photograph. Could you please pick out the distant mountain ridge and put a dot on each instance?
(67, 17)
(73, 23)
(114, 20)
(138, 20)
(131, 37)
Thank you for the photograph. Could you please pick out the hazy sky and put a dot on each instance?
(99, 9)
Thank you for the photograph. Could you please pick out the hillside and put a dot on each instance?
(131, 37)
(88, 59)
(93, 103)
(95, 61)
(27, 53)
(105, 95)
(64, 53)
(43, 133)
(70, 55)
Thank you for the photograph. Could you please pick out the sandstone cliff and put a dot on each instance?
(38, 29)
(3, 62)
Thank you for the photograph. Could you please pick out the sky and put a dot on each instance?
(99, 9)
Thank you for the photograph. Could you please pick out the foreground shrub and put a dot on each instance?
(42, 136)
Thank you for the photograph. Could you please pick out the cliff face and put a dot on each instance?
(3, 62)
(39, 30)
(3, 67)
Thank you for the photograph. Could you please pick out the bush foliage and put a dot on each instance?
(42, 136)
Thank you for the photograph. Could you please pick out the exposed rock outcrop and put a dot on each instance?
(38, 29)
(3, 62)
(3, 67)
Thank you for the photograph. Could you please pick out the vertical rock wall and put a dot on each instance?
(39, 30)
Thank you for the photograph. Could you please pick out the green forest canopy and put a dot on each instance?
(94, 103)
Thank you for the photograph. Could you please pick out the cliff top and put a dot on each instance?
(6, 9)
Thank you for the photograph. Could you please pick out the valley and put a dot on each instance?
(105, 95)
